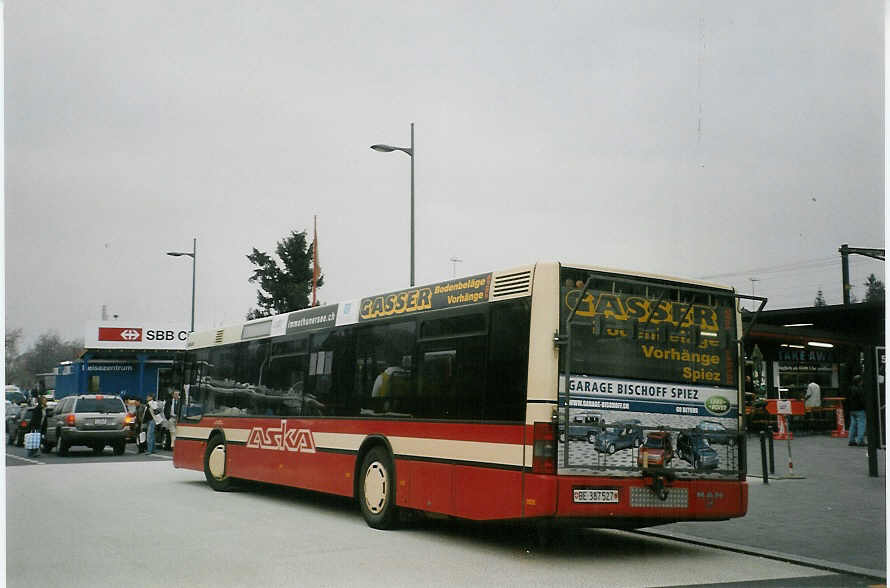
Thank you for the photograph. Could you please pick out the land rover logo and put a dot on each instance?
(717, 405)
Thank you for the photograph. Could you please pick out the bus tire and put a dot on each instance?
(215, 465)
(119, 447)
(376, 490)
(611, 448)
(591, 438)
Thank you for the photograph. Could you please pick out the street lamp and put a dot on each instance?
(193, 254)
(454, 261)
(753, 280)
(410, 152)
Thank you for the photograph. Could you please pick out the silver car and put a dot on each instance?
(93, 420)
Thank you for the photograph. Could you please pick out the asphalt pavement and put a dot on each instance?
(823, 510)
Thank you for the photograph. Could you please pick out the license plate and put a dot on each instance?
(98, 421)
(591, 495)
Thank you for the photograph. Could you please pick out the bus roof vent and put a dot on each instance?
(512, 284)
(219, 336)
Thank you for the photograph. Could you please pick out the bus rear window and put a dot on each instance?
(648, 329)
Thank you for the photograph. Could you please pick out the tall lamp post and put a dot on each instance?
(410, 152)
(193, 254)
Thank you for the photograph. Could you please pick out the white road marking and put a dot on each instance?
(26, 459)
(134, 452)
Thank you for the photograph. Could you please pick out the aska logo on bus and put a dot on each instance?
(281, 439)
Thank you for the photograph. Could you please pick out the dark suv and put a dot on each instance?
(620, 435)
(92, 420)
(584, 425)
(696, 449)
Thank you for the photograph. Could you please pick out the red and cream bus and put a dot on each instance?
(451, 399)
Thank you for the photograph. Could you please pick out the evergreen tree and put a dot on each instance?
(874, 289)
(285, 287)
(820, 299)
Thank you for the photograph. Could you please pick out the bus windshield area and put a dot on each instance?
(648, 329)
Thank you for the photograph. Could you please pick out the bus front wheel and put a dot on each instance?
(215, 465)
(376, 490)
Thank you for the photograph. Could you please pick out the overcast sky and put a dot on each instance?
(730, 139)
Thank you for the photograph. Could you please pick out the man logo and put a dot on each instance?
(281, 439)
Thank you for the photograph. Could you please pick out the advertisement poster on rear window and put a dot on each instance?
(654, 382)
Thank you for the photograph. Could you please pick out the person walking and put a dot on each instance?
(141, 423)
(856, 406)
(36, 424)
(813, 397)
(170, 408)
(150, 408)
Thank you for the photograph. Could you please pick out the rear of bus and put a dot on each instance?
(657, 360)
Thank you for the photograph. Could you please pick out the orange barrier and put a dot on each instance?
(780, 408)
(840, 430)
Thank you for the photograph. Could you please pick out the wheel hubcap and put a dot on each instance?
(216, 463)
(375, 487)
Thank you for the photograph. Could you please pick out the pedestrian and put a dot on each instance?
(856, 406)
(150, 407)
(36, 424)
(142, 418)
(170, 408)
(813, 395)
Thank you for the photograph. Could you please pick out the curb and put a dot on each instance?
(776, 555)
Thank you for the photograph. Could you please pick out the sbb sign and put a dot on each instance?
(168, 335)
(135, 336)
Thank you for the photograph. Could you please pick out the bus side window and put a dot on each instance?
(452, 382)
(508, 361)
(329, 382)
(384, 370)
(284, 377)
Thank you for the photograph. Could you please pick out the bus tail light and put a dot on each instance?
(544, 449)
(128, 420)
(69, 420)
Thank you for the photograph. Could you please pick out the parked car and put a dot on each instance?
(15, 395)
(696, 449)
(620, 435)
(584, 425)
(93, 420)
(17, 425)
(657, 451)
(13, 411)
(716, 433)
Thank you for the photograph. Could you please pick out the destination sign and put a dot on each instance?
(450, 294)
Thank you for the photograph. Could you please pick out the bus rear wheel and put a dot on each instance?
(215, 465)
(376, 490)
